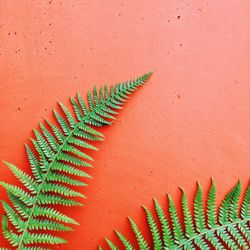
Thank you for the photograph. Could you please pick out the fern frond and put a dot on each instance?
(125, 242)
(205, 229)
(58, 160)
(154, 230)
(245, 208)
(140, 239)
(211, 206)
(188, 220)
(166, 231)
(199, 216)
(111, 245)
(176, 224)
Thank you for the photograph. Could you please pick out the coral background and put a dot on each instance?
(190, 122)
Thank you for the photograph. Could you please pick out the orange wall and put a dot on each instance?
(190, 122)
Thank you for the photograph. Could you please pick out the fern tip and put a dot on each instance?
(3, 184)
(182, 190)
(5, 162)
(198, 184)
(169, 197)
(155, 201)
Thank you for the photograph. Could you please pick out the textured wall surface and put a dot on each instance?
(190, 122)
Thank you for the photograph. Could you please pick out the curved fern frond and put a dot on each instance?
(56, 164)
(229, 228)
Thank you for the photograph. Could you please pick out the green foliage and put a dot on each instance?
(56, 164)
(227, 227)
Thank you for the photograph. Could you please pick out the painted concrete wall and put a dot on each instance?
(190, 122)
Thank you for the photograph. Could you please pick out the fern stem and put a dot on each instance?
(210, 230)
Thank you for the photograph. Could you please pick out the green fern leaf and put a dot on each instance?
(199, 211)
(154, 230)
(126, 243)
(177, 229)
(166, 231)
(245, 208)
(211, 206)
(112, 245)
(229, 229)
(140, 239)
(225, 208)
(56, 162)
(188, 221)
